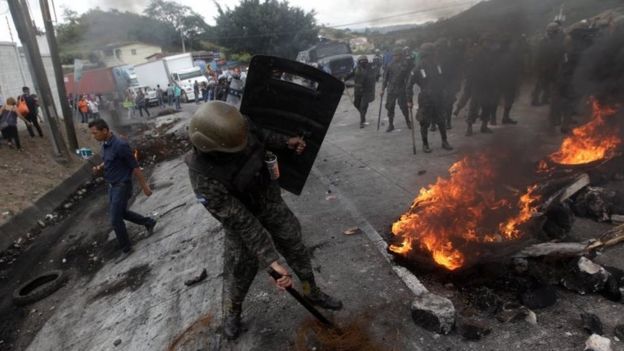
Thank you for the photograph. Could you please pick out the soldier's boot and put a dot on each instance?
(446, 145)
(390, 124)
(317, 297)
(232, 322)
(469, 130)
(426, 147)
(484, 128)
(506, 119)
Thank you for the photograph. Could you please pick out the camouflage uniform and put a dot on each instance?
(395, 80)
(549, 52)
(431, 100)
(236, 189)
(364, 89)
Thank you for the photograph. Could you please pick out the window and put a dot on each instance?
(133, 51)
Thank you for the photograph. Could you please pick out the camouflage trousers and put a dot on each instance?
(241, 265)
(400, 99)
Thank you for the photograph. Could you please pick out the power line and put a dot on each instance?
(431, 9)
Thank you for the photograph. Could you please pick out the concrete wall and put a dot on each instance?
(14, 73)
(131, 54)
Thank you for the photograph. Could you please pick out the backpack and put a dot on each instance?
(22, 107)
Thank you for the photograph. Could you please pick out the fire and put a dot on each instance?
(459, 209)
(590, 142)
(135, 153)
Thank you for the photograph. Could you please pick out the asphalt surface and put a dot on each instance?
(362, 178)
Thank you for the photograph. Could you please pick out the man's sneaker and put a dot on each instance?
(125, 252)
(390, 128)
(232, 325)
(150, 226)
(321, 299)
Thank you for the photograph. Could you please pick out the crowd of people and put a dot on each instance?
(488, 73)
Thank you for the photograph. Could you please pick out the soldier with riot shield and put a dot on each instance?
(234, 173)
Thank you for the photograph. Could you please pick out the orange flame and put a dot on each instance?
(457, 209)
(590, 142)
(135, 153)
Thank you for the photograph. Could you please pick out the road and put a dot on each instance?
(362, 178)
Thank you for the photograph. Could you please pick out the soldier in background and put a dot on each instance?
(484, 84)
(450, 57)
(549, 52)
(376, 64)
(229, 177)
(395, 80)
(428, 75)
(511, 67)
(364, 88)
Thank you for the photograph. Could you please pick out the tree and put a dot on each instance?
(186, 21)
(268, 27)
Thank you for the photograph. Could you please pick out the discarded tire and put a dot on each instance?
(39, 287)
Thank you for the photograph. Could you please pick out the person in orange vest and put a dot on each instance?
(83, 107)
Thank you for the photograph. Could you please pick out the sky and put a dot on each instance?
(339, 13)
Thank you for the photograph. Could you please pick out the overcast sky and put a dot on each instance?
(329, 12)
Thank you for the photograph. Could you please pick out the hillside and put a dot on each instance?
(502, 16)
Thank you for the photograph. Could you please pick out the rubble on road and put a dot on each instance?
(597, 343)
(433, 312)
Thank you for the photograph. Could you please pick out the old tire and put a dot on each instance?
(39, 287)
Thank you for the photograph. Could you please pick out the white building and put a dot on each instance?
(133, 53)
(14, 72)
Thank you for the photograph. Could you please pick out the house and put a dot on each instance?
(132, 53)
(360, 44)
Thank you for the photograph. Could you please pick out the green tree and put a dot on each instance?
(186, 21)
(265, 27)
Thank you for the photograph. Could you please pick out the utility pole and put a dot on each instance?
(18, 57)
(24, 25)
(182, 38)
(60, 84)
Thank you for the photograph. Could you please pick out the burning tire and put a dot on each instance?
(39, 287)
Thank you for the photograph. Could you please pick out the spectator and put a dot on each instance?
(159, 95)
(8, 123)
(94, 108)
(177, 94)
(128, 103)
(204, 91)
(141, 104)
(33, 109)
(170, 94)
(196, 92)
(83, 108)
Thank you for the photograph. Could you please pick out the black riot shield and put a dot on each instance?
(291, 98)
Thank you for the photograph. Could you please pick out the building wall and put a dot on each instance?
(131, 54)
(14, 74)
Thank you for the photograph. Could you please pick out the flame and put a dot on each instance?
(457, 209)
(135, 153)
(590, 142)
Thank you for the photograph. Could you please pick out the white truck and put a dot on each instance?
(176, 69)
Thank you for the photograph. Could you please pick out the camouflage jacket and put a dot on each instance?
(235, 205)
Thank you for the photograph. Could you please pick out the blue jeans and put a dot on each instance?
(177, 103)
(118, 196)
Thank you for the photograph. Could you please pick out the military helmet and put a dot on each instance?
(552, 27)
(362, 58)
(427, 49)
(217, 126)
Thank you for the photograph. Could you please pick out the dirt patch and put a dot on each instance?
(201, 325)
(132, 279)
(33, 171)
(352, 335)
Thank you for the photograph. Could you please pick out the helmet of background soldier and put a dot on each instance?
(217, 126)
(552, 28)
(427, 49)
(362, 59)
(397, 52)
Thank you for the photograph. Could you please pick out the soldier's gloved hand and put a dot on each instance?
(297, 144)
(286, 280)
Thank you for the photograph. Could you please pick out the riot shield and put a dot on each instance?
(291, 98)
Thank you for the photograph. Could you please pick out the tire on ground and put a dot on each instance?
(39, 287)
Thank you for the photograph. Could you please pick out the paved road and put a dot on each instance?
(362, 178)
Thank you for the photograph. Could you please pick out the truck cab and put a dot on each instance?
(186, 78)
(332, 57)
